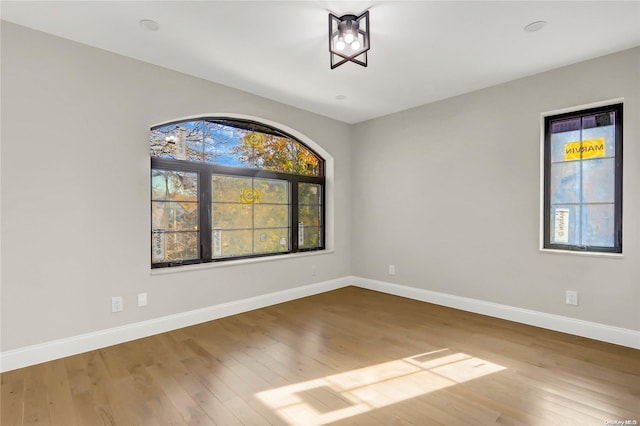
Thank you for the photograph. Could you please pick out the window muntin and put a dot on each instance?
(259, 192)
(583, 180)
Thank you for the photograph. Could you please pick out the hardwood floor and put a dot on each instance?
(350, 356)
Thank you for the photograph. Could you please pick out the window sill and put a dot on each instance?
(238, 262)
(584, 253)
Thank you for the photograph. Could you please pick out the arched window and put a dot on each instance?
(227, 188)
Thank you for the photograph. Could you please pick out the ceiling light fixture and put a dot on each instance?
(348, 39)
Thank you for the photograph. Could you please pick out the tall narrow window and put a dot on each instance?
(310, 229)
(583, 180)
(226, 189)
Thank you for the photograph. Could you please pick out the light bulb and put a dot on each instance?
(355, 45)
(348, 37)
(340, 44)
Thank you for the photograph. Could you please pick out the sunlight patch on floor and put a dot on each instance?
(332, 398)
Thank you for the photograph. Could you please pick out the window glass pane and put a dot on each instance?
(223, 145)
(262, 151)
(251, 147)
(271, 215)
(234, 143)
(160, 142)
(231, 215)
(566, 125)
(271, 240)
(174, 185)
(244, 147)
(274, 153)
(604, 133)
(559, 143)
(309, 215)
(311, 237)
(598, 225)
(165, 141)
(599, 119)
(598, 181)
(178, 213)
(229, 188)
(304, 162)
(232, 243)
(569, 231)
(174, 216)
(175, 246)
(565, 182)
(241, 202)
(280, 153)
(308, 193)
(272, 191)
(194, 139)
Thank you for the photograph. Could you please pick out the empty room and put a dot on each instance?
(319, 212)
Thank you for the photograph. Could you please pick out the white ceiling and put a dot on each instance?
(421, 51)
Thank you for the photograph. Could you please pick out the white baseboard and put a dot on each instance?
(592, 330)
(31, 355)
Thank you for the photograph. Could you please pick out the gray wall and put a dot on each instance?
(450, 193)
(75, 190)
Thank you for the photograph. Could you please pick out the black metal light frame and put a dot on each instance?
(336, 28)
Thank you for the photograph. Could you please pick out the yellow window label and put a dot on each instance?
(249, 196)
(589, 148)
(254, 139)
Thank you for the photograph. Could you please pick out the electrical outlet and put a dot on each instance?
(314, 270)
(571, 297)
(142, 299)
(117, 304)
(392, 269)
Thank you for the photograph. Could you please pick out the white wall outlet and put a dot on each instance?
(117, 304)
(142, 299)
(392, 269)
(314, 270)
(571, 297)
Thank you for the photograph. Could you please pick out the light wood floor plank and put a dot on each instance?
(12, 402)
(345, 357)
(60, 400)
(36, 409)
